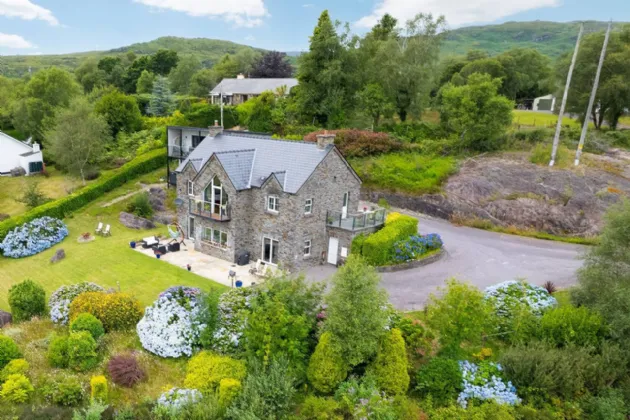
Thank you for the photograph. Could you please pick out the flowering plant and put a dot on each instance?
(234, 307)
(509, 295)
(33, 237)
(364, 400)
(416, 246)
(483, 382)
(177, 398)
(60, 300)
(170, 326)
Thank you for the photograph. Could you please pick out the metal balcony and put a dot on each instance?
(358, 221)
(210, 211)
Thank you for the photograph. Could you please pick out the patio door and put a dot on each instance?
(270, 251)
(344, 208)
(333, 250)
(191, 228)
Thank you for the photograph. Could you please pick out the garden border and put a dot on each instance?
(413, 264)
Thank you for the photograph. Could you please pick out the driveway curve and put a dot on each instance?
(481, 257)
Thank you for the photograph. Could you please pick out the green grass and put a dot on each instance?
(405, 172)
(540, 119)
(625, 120)
(108, 262)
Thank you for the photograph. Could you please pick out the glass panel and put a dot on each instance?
(266, 249)
(208, 234)
(216, 236)
(223, 238)
(274, 252)
(345, 200)
(216, 200)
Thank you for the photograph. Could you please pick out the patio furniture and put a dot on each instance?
(99, 228)
(150, 242)
(177, 233)
(107, 231)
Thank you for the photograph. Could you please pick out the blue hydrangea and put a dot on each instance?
(33, 237)
(508, 295)
(483, 382)
(176, 398)
(416, 246)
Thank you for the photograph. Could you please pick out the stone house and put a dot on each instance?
(240, 89)
(287, 203)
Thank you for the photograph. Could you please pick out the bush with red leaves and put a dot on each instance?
(360, 143)
(125, 370)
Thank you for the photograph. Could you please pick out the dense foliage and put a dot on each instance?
(8, 351)
(60, 300)
(117, 311)
(33, 237)
(379, 248)
(27, 299)
(89, 323)
(125, 370)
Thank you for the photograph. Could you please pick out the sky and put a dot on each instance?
(65, 26)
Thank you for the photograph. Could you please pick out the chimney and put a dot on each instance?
(324, 140)
(35, 147)
(240, 76)
(215, 130)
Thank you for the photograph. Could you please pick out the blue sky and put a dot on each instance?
(62, 26)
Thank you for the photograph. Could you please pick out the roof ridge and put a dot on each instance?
(234, 151)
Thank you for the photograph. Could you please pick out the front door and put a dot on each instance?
(191, 228)
(333, 249)
(344, 208)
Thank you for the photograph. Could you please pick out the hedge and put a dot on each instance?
(378, 248)
(64, 206)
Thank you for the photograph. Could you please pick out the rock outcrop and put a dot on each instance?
(134, 222)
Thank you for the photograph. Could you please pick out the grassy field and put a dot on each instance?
(540, 119)
(625, 121)
(108, 262)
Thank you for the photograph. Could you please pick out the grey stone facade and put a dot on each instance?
(250, 221)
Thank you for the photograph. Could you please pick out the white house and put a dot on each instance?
(239, 90)
(544, 103)
(17, 154)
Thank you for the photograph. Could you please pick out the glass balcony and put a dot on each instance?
(356, 221)
(218, 213)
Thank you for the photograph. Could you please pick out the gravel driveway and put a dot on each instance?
(481, 257)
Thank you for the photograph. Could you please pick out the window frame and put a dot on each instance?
(273, 251)
(308, 204)
(275, 200)
(216, 232)
(191, 188)
(308, 245)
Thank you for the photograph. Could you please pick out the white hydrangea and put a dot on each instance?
(60, 300)
(170, 327)
(509, 294)
(177, 398)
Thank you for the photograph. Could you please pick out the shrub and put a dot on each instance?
(419, 340)
(177, 398)
(378, 248)
(81, 351)
(482, 382)
(170, 327)
(89, 323)
(65, 391)
(32, 237)
(27, 299)
(57, 354)
(64, 206)
(205, 371)
(359, 143)
(488, 411)
(570, 325)
(415, 247)
(141, 206)
(98, 387)
(93, 412)
(17, 389)
(610, 406)
(357, 244)
(317, 408)
(363, 400)
(390, 367)
(234, 308)
(8, 351)
(228, 390)
(117, 311)
(441, 379)
(60, 300)
(14, 367)
(125, 370)
(326, 369)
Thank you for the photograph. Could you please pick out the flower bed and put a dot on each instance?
(509, 295)
(415, 247)
(170, 327)
(60, 300)
(33, 237)
(482, 382)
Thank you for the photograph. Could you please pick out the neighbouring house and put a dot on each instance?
(545, 103)
(288, 203)
(15, 154)
(236, 91)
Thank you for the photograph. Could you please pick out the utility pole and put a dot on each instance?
(556, 137)
(591, 101)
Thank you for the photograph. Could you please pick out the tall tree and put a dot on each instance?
(202, 83)
(273, 64)
(145, 82)
(227, 67)
(163, 61)
(133, 73)
(162, 101)
(372, 99)
(120, 111)
(89, 75)
(78, 137)
(181, 75)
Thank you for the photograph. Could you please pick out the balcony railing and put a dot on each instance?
(210, 210)
(357, 221)
(179, 152)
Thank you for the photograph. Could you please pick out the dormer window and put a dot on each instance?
(272, 203)
(191, 188)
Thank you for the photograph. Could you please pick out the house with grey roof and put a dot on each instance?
(238, 90)
(287, 203)
(19, 157)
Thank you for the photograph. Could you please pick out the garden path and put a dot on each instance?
(144, 188)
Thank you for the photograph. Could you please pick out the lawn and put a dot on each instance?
(540, 119)
(625, 121)
(108, 262)
(405, 172)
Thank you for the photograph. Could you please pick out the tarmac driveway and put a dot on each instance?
(480, 257)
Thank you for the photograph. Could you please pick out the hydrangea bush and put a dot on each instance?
(170, 327)
(177, 398)
(33, 237)
(482, 382)
(234, 307)
(416, 246)
(60, 300)
(511, 294)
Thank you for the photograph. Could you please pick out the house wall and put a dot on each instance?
(10, 157)
(25, 160)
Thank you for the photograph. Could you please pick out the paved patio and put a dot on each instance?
(205, 265)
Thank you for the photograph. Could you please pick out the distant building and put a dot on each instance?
(239, 90)
(15, 154)
(544, 103)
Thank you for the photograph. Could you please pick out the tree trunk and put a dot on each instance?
(402, 113)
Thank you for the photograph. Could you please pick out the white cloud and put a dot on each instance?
(244, 13)
(457, 12)
(26, 10)
(14, 41)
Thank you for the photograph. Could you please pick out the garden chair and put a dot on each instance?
(107, 231)
(99, 228)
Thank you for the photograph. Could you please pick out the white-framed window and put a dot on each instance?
(191, 188)
(307, 248)
(215, 197)
(270, 250)
(272, 203)
(308, 206)
(215, 237)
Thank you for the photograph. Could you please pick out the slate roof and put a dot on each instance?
(250, 160)
(252, 86)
